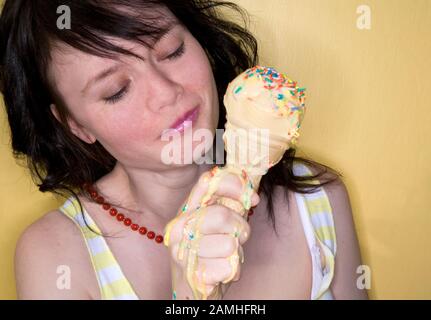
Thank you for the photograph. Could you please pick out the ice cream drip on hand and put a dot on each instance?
(259, 98)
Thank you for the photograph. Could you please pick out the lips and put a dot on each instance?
(185, 120)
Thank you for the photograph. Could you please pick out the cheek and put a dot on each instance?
(200, 79)
(198, 73)
(128, 135)
(196, 70)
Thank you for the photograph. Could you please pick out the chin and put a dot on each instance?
(186, 149)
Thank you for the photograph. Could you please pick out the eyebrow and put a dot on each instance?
(111, 70)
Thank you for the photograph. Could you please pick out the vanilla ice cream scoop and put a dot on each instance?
(261, 100)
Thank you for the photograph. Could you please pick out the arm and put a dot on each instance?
(348, 256)
(43, 259)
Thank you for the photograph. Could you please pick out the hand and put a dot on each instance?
(205, 242)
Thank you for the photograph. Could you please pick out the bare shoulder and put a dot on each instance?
(51, 261)
(338, 196)
(348, 255)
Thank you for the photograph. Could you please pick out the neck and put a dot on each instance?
(158, 195)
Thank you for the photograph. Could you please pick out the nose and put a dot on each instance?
(162, 90)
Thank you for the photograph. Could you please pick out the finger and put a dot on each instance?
(231, 186)
(217, 246)
(222, 184)
(174, 230)
(217, 183)
(213, 271)
(222, 220)
(193, 202)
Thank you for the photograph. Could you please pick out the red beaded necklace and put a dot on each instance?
(125, 220)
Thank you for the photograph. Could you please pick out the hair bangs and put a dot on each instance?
(144, 22)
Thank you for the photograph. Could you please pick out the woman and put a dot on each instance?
(88, 104)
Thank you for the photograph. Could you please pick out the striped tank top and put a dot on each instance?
(316, 216)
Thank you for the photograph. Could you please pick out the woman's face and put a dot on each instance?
(128, 108)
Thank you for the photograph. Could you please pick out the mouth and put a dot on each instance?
(185, 121)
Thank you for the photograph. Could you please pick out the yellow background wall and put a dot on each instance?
(367, 116)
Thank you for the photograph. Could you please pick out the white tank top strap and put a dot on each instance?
(316, 217)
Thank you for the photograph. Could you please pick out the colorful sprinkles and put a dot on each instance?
(238, 89)
(278, 84)
(287, 99)
(184, 208)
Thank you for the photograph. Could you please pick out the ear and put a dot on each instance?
(75, 127)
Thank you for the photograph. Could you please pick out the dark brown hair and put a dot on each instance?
(60, 162)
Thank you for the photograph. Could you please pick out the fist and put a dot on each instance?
(205, 241)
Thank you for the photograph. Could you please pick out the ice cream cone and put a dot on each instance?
(264, 113)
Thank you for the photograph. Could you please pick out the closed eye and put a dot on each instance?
(177, 53)
(118, 96)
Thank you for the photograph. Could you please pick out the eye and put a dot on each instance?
(177, 53)
(118, 96)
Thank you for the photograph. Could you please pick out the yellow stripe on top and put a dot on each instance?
(321, 218)
(112, 283)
